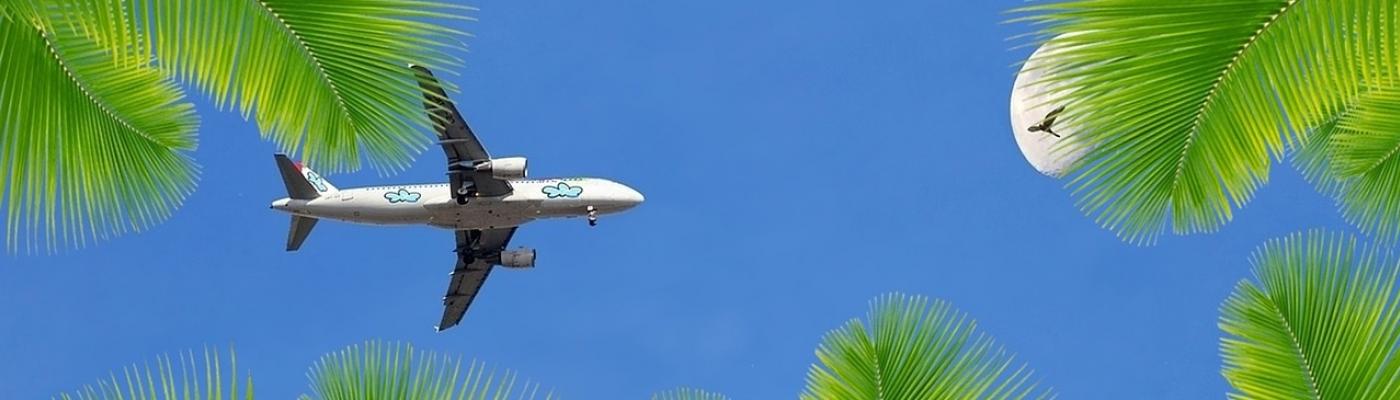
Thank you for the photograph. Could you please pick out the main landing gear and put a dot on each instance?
(592, 216)
(462, 195)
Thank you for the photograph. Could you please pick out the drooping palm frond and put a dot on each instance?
(378, 371)
(90, 147)
(688, 394)
(1183, 103)
(1321, 322)
(93, 136)
(326, 77)
(187, 378)
(1354, 160)
(915, 349)
(1314, 159)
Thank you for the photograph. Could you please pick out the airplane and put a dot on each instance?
(484, 201)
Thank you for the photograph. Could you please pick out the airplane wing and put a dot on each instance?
(463, 149)
(475, 252)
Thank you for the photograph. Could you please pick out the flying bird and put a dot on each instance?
(1047, 123)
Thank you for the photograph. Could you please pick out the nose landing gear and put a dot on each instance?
(592, 216)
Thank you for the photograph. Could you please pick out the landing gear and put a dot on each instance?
(462, 194)
(592, 216)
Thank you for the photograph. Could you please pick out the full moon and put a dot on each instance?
(1029, 107)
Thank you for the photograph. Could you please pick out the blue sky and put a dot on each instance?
(798, 158)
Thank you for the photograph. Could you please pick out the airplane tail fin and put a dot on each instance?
(301, 227)
(302, 183)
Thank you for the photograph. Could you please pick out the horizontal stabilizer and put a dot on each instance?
(301, 227)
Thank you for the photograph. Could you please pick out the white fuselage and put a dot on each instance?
(433, 204)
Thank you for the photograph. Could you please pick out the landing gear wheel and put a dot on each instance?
(462, 194)
(592, 216)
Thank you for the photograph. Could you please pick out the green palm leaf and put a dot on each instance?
(187, 378)
(329, 78)
(1321, 321)
(1183, 103)
(915, 349)
(1353, 159)
(95, 133)
(688, 394)
(21, 9)
(383, 372)
(91, 147)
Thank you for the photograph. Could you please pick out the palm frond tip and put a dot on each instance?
(377, 370)
(915, 349)
(91, 147)
(1319, 321)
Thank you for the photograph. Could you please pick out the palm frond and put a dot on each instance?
(1314, 159)
(187, 378)
(91, 147)
(20, 9)
(1354, 160)
(327, 78)
(688, 394)
(381, 371)
(1320, 321)
(1183, 103)
(915, 349)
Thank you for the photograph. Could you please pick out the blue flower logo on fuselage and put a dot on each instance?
(316, 180)
(402, 196)
(562, 190)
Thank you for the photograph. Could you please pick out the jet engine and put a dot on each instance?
(522, 258)
(504, 168)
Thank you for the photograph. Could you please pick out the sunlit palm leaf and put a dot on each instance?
(376, 371)
(97, 152)
(1321, 322)
(915, 350)
(1315, 159)
(1182, 103)
(89, 147)
(328, 77)
(688, 394)
(186, 378)
(1354, 161)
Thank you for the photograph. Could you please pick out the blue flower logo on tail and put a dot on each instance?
(402, 196)
(316, 180)
(562, 190)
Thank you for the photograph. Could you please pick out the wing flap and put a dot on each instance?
(459, 143)
(475, 249)
(455, 136)
(467, 279)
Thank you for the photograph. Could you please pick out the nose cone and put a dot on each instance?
(635, 197)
